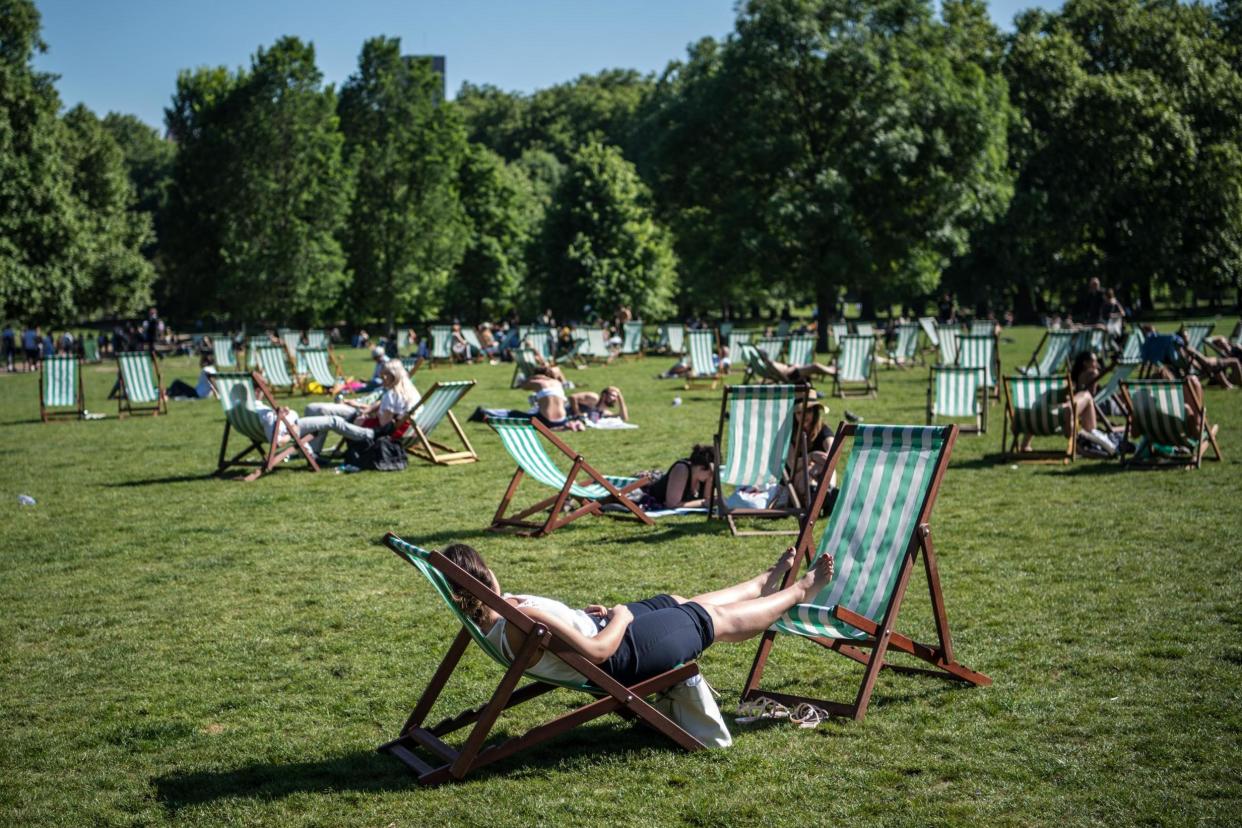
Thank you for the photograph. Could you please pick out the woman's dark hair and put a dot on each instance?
(702, 455)
(1080, 363)
(470, 560)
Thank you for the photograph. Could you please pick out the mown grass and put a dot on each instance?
(176, 649)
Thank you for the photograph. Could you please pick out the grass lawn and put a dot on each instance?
(176, 649)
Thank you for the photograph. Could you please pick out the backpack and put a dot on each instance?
(379, 454)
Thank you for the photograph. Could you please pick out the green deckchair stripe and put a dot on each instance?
(595, 344)
(801, 349)
(907, 341)
(761, 420)
(702, 346)
(314, 361)
(737, 338)
(317, 338)
(1133, 350)
(948, 346)
(887, 477)
(222, 349)
(440, 336)
(140, 386)
(854, 361)
(525, 446)
(770, 346)
(957, 391)
(274, 365)
(1159, 411)
(1121, 373)
(1037, 403)
(673, 337)
(1196, 333)
(838, 330)
(1056, 353)
(60, 381)
(978, 352)
(442, 397)
(982, 327)
(237, 398)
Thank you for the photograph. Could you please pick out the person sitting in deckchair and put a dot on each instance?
(462, 350)
(596, 406)
(1225, 371)
(204, 389)
(1224, 347)
(818, 444)
(357, 421)
(269, 417)
(644, 638)
(797, 373)
(1085, 374)
(686, 485)
(543, 372)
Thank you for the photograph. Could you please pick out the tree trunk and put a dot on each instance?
(1024, 310)
(1145, 294)
(866, 303)
(826, 303)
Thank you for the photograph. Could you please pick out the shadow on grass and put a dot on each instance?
(1079, 468)
(160, 481)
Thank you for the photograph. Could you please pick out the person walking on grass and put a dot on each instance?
(8, 343)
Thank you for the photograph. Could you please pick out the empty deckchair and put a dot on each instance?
(760, 421)
(316, 364)
(855, 364)
(632, 339)
(273, 363)
(980, 352)
(1157, 418)
(878, 524)
(291, 337)
(929, 326)
(60, 388)
(238, 393)
(421, 420)
(140, 389)
(1196, 333)
(222, 350)
(838, 331)
(982, 327)
(1055, 354)
(90, 347)
(521, 437)
(704, 367)
(1033, 408)
(957, 392)
(441, 342)
(253, 344)
(770, 346)
(864, 329)
(594, 345)
(906, 349)
(947, 344)
(672, 338)
(801, 349)
(452, 764)
(317, 338)
(738, 338)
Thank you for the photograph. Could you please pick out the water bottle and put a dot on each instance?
(25, 500)
(676, 401)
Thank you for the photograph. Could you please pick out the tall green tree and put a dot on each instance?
(601, 244)
(407, 229)
(149, 162)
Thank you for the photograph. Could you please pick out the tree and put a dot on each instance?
(149, 162)
(406, 230)
(601, 246)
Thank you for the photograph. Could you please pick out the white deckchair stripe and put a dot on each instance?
(956, 391)
(523, 443)
(274, 365)
(702, 353)
(60, 381)
(140, 385)
(760, 428)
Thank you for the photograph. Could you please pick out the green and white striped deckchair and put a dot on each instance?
(864, 329)
(760, 421)
(594, 345)
(140, 389)
(521, 437)
(771, 346)
(1055, 354)
(672, 338)
(838, 331)
(855, 364)
(60, 388)
(441, 340)
(980, 352)
(608, 695)
(632, 339)
(90, 347)
(782, 329)
(1121, 372)
(739, 337)
(906, 349)
(433, 408)
(411, 364)
(1033, 407)
(291, 337)
(1094, 340)
(801, 349)
(471, 336)
(317, 338)
(540, 342)
(253, 344)
(1157, 418)
(704, 367)
(948, 345)
(314, 364)
(929, 326)
(957, 392)
(525, 361)
(878, 524)
(1196, 333)
(982, 327)
(1236, 336)
(1132, 351)
(240, 394)
(274, 365)
(222, 350)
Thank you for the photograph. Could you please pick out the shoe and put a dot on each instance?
(851, 417)
(760, 707)
(808, 715)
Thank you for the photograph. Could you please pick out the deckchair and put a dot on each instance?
(672, 338)
(1196, 333)
(538, 340)
(759, 367)
(453, 764)
(521, 438)
(782, 328)
(864, 329)
(316, 364)
(855, 363)
(237, 392)
(471, 336)
(982, 327)
(1033, 407)
(317, 338)
(594, 347)
(1121, 372)
(222, 350)
(957, 392)
(411, 364)
(90, 347)
(140, 387)
(947, 344)
(838, 331)
(274, 365)
(441, 338)
(60, 388)
(525, 361)
(1055, 347)
(801, 349)
(906, 349)
(877, 526)
(1132, 351)
(632, 340)
(761, 421)
(771, 346)
(1157, 416)
(704, 366)
(929, 326)
(737, 338)
(1088, 339)
(253, 344)
(292, 337)
(433, 408)
(980, 352)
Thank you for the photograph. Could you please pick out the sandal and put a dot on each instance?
(760, 707)
(808, 715)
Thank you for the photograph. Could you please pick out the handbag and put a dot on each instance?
(691, 704)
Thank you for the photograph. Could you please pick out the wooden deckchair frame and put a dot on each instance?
(123, 405)
(456, 763)
(422, 446)
(883, 637)
(1009, 450)
(1206, 439)
(62, 414)
(273, 456)
(981, 418)
(717, 509)
(555, 504)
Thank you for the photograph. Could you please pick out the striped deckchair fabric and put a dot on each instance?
(957, 392)
(606, 694)
(523, 438)
(292, 337)
(411, 364)
(782, 328)
(433, 408)
(253, 344)
(906, 349)
(864, 329)
(704, 366)
(929, 326)
(1196, 333)
(1055, 355)
(855, 364)
(982, 327)
(594, 345)
(471, 336)
(1033, 407)
(222, 350)
(737, 338)
(240, 394)
(979, 352)
(760, 422)
(1119, 374)
(632, 339)
(801, 349)
(672, 338)
(314, 364)
(441, 336)
(877, 526)
(1132, 351)
(838, 331)
(771, 346)
(525, 361)
(540, 341)
(60, 388)
(317, 338)
(90, 347)
(1158, 420)
(948, 346)
(141, 390)
(273, 363)
(1236, 336)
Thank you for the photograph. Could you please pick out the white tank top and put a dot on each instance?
(548, 666)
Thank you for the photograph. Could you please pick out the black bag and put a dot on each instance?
(379, 454)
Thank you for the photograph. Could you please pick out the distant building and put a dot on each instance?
(437, 66)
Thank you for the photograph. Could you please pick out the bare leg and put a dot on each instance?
(746, 619)
(1086, 410)
(764, 583)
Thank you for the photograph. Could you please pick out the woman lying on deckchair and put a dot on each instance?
(1224, 371)
(640, 639)
(797, 373)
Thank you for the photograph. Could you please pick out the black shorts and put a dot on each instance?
(662, 635)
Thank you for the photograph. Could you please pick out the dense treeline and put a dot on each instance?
(825, 148)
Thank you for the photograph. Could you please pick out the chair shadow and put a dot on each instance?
(1088, 467)
(159, 481)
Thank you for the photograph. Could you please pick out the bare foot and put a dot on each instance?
(818, 576)
(776, 575)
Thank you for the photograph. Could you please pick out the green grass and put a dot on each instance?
(176, 649)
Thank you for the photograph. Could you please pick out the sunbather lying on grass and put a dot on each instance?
(641, 639)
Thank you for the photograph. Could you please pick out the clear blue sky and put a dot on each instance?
(123, 55)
